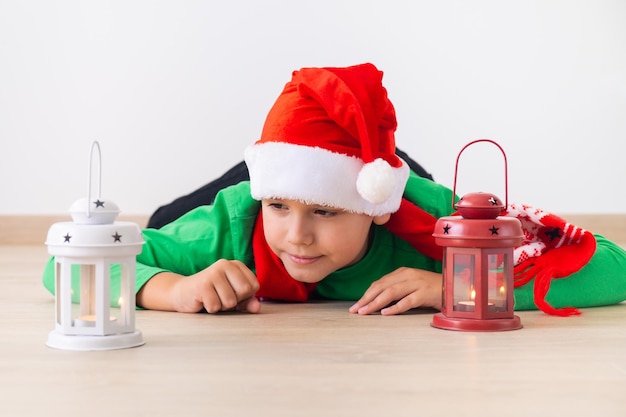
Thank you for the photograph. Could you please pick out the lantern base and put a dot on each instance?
(473, 325)
(59, 340)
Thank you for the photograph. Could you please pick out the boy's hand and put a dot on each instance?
(225, 285)
(410, 287)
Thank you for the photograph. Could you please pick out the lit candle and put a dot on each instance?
(467, 306)
(470, 306)
(88, 320)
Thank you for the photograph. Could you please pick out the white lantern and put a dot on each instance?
(88, 251)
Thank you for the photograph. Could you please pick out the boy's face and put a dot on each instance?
(314, 241)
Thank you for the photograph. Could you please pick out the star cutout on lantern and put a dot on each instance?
(99, 203)
(493, 201)
(117, 237)
(66, 238)
(446, 229)
(494, 230)
(554, 234)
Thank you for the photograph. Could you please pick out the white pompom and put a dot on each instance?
(376, 181)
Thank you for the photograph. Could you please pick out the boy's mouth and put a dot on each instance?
(302, 260)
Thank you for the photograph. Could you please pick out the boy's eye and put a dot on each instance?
(277, 206)
(325, 213)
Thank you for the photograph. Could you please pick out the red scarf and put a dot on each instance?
(416, 226)
(275, 281)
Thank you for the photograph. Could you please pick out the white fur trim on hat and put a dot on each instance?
(318, 176)
(376, 181)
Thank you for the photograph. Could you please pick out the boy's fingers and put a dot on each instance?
(211, 300)
(250, 305)
(243, 281)
(382, 300)
(370, 295)
(227, 297)
(361, 303)
(401, 306)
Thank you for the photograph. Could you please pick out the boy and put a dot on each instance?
(331, 211)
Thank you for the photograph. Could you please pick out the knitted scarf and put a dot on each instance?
(551, 248)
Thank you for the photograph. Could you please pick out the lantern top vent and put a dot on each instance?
(99, 211)
(479, 206)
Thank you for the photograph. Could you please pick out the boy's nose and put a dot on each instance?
(299, 232)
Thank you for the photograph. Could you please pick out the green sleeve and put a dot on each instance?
(430, 196)
(201, 237)
(601, 282)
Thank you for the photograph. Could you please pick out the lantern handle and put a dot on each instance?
(94, 145)
(506, 181)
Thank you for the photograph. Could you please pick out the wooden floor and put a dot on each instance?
(306, 360)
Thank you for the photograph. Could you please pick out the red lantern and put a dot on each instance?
(478, 262)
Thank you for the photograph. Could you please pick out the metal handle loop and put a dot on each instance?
(94, 145)
(506, 175)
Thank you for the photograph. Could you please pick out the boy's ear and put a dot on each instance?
(382, 219)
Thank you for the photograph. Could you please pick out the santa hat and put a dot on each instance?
(329, 140)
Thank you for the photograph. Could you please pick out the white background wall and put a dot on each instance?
(174, 91)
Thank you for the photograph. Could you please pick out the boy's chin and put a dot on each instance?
(305, 278)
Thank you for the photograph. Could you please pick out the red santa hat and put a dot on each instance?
(329, 140)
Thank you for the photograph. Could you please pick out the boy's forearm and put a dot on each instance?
(157, 293)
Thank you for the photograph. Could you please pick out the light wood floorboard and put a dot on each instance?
(313, 359)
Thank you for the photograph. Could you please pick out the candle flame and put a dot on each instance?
(473, 295)
(502, 289)
(120, 301)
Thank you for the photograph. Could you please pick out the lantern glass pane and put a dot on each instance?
(464, 285)
(443, 282)
(497, 279)
(119, 296)
(57, 289)
(87, 290)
